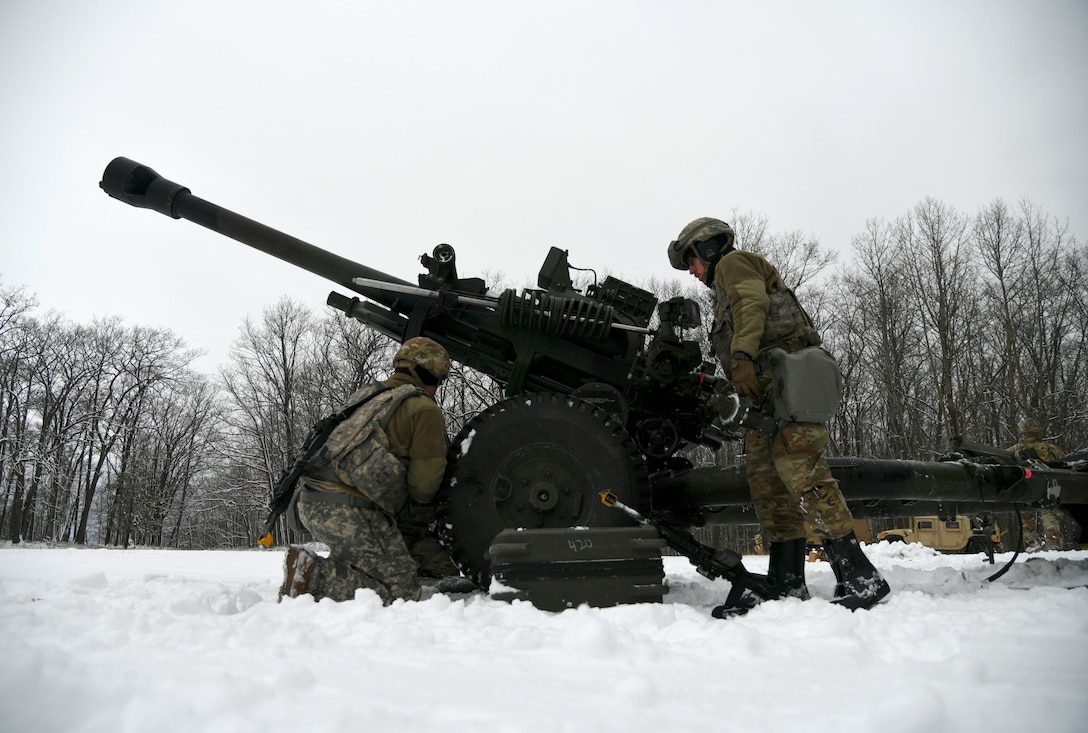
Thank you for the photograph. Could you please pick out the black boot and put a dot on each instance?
(858, 583)
(786, 574)
(787, 568)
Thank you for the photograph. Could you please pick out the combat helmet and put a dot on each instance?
(706, 238)
(1029, 428)
(423, 358)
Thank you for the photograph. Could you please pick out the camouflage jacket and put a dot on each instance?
(1045, 451)
(754, 310)
(416, 434)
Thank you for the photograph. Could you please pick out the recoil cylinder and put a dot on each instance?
(556, 316)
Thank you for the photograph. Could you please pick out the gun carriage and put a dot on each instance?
(596, 399)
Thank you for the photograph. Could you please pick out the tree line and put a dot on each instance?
(945, 324)
(952, 325)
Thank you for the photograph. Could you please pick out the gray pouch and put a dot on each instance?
(806, 385)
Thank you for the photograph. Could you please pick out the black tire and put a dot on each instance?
(535, 461)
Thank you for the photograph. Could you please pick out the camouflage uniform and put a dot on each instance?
(366, 551)
(1032, 438)
(367, 548)
(788, 474)
(1032, 445)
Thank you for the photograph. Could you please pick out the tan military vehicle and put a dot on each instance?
(961, 534)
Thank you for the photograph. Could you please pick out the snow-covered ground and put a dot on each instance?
(154, 641)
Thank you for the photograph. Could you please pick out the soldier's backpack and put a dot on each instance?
(374, 459)
(357, 452)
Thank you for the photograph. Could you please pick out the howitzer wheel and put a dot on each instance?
(535, 461)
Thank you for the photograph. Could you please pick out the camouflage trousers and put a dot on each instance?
(366, 550)
(1051, 522)
(792, 486)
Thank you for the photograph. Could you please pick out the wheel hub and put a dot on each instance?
(541, 484)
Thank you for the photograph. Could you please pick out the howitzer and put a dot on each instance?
(596, 397)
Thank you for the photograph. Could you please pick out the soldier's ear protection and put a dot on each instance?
(429, 379)
(421, 373)
(711, 250)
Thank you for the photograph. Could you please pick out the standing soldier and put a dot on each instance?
(389, 453)
(788, 475)
(1031, 446)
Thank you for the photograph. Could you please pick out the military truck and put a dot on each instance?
(961, 534)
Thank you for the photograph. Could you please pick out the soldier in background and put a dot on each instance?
(385, 461)
(788, 475)
(1032, 446)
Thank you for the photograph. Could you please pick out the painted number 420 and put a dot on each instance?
(579, 545)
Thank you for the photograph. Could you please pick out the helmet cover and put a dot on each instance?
(1029, 428)
(423, 352)
(695, 233)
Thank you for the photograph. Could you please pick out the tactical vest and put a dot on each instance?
(787, 326)
(1045, 451)
(357, 453)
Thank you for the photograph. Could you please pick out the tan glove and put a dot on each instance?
(743, 374)
(416, 513)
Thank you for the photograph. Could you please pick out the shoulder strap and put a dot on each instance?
(396, 401)
(311, 448)
(351, 407)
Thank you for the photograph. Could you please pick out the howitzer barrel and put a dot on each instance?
(540, 342)
(875, 480)
(140, 186)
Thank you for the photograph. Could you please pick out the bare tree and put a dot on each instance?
(752, 230)
(344, 355)
(136, 364)
(266, 415)
(933, 239)
(175, 447)
(57, 379)
(15, 335)
(1048, 318)
(1072, 425)
(999, 236)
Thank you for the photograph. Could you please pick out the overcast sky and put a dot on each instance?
(379, 129)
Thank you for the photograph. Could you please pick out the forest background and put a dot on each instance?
(945, 324)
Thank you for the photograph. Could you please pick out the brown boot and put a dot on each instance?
(299, 565)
